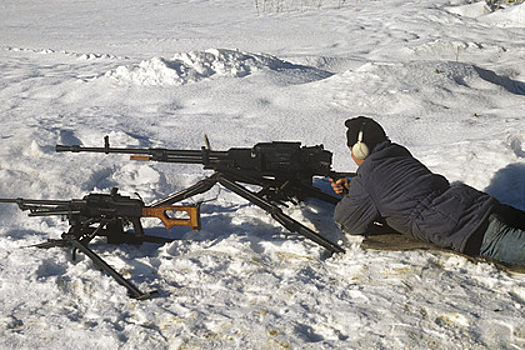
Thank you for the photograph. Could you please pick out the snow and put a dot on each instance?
(445, 78)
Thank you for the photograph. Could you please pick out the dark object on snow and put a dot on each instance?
(283, 170)
(106, 215)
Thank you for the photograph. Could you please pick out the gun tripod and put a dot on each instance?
(272, 190)
(81, 234)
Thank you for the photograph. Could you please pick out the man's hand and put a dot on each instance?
(340, 186)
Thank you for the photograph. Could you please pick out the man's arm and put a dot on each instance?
(356, 212)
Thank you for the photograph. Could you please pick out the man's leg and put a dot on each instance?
(503, 242)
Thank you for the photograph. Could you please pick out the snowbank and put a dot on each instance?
(192, 67)
(504, 15)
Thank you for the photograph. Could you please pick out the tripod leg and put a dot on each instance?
(200, 187)
(133, 291)
(277, 214)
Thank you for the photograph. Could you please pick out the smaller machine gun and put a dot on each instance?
(107, 215)
(283, 170)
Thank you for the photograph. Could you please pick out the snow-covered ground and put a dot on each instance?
(446, 78)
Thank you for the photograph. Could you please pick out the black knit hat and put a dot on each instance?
(373, 133)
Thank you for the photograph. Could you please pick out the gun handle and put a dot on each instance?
(162, 212)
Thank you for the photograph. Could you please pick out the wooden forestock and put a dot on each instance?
(193, 212)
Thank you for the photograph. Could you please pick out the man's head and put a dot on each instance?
(363, 135)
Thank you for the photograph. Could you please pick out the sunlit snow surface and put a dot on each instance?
(445, 78)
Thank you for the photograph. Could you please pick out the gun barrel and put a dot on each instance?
(78, 148)
(203, 156)
(54, 212)
(8, 200)
(34, 201)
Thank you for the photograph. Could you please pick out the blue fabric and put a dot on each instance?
(392, 185)
(503, 242)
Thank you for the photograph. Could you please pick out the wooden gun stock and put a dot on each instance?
(176, 215)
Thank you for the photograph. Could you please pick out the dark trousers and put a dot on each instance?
(504, 238)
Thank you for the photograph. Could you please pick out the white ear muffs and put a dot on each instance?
(360, 149)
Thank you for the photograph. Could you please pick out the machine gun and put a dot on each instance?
(107, 215)
(283, 170)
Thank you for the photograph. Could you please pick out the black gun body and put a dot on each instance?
(280, 161)
(270, 157)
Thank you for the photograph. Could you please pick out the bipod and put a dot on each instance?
(230, 182)
(71, 239)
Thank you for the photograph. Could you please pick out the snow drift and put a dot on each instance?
(194, 66)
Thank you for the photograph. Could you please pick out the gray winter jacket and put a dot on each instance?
(394, 186)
